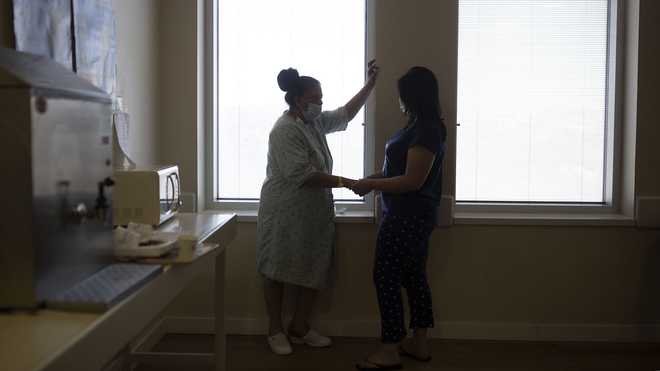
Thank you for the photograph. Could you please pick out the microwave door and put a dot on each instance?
(165, 196)
(170, 203)
(171, 193)
(176, 196)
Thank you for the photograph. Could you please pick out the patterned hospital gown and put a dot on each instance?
(295, 226)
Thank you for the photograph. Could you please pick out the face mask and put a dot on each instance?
(402, 107)
(312, 112)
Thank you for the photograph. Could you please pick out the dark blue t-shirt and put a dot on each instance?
(424, 201)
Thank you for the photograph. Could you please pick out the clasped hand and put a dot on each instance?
(359, 187)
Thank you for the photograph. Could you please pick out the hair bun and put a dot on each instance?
(288, 79)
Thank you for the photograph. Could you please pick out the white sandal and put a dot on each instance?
(313, 339)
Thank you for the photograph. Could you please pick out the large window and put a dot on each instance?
(258, 38)
(532, 93)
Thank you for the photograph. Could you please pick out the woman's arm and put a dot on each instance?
(418, 165)
(376, 175)
(354, 105)
(323, 180)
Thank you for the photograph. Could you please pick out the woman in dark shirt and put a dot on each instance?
(410, 183)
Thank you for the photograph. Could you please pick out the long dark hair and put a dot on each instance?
(294, 85)
(418, 90)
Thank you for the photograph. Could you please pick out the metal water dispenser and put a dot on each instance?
(56, 194)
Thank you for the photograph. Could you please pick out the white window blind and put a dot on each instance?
(532, 83)
(258, 38)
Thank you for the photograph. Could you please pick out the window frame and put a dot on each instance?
(358, 210)
(466, 211)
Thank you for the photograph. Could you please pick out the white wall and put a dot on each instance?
(6, 25)
(177, 73)
(137, 57)
(138, 61)
(648, 130)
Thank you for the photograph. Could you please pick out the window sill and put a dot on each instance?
(341, 217)
(542, 219)
(485, 218)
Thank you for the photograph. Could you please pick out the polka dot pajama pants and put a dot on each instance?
(401, 254)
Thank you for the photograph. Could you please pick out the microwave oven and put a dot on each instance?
(146, 195)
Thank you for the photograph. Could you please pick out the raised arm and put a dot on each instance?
(354, 105)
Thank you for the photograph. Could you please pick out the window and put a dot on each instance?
(255, 40)
(532, 101)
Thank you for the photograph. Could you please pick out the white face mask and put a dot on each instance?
(402, 107)
(312, 112)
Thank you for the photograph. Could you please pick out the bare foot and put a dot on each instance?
(380, 358)
(419, 350)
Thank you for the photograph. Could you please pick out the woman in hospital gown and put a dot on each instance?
(295, 226)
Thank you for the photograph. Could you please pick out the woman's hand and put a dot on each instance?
(361, 187)
(372, 73)
(348, 183)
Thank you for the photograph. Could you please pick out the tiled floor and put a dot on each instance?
(247, 353)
